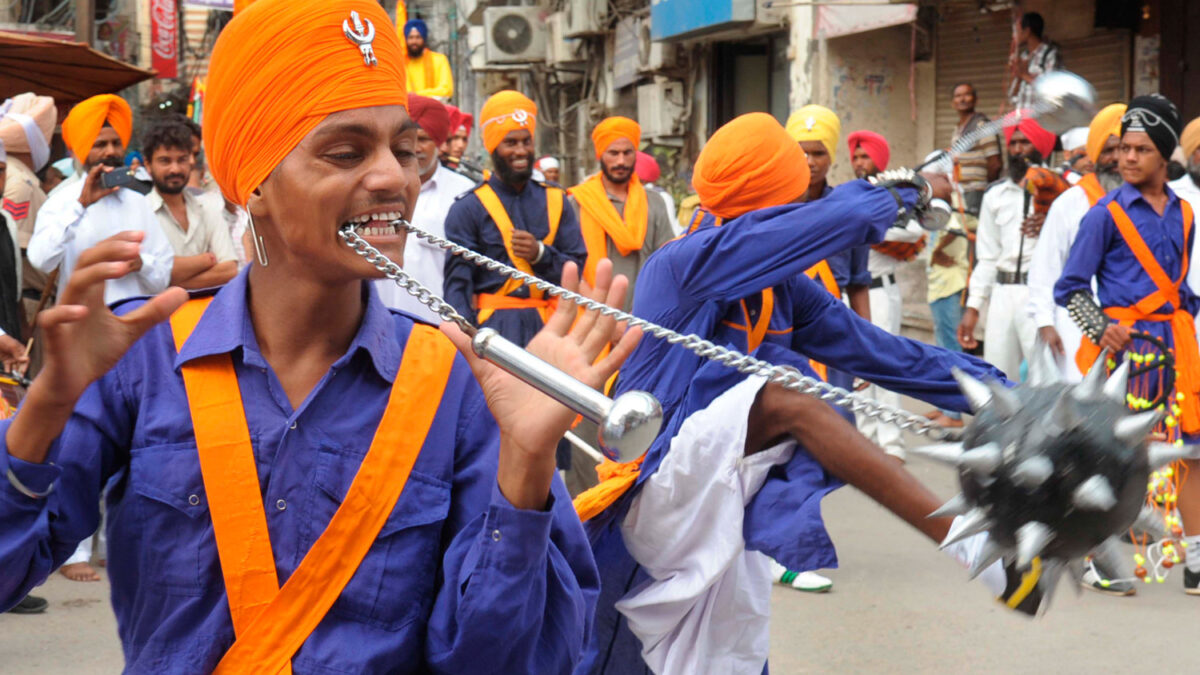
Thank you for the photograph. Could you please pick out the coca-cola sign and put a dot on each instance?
(164, 38)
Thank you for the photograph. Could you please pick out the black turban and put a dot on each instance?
(1155, 115)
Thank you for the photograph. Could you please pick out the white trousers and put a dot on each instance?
(886, 308)
(1010, 333)
(1070, 335)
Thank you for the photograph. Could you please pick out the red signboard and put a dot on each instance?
(164, 38)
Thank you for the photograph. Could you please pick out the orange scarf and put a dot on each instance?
(615, 480)
(598, 218)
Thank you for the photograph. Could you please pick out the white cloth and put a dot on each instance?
(39, 148)
(999, 244)
(425, 262)
(1188, 191)
(207, 231)
(707, 607)
(670, 203)
(879, 264)
(1010, 333)
(1049, 258)
(1074, 139)
(886, 312)
(65, 229)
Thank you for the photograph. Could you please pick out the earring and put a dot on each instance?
(260, 249)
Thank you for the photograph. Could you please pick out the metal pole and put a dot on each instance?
(85, 21)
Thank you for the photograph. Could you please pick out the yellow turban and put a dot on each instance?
(1106, 123)
(1189, 140)
(612, 129)
(281, 67)
(506, 111)
(82, 125)
(816, 123)
(750, 163)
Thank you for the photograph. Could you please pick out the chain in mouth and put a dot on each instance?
(374, 224)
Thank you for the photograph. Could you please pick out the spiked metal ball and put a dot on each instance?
(1051, 471)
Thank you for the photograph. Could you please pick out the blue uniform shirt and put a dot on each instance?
(849, 266)
(468, 224)
(458, 581)
(696, 284)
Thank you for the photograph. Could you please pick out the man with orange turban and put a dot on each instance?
(97, 131)
(514, 219)
(304, 480)
(618, 219)
(679, 538)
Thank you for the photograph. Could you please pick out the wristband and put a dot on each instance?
(21, 487)
(541, 252)
(1087, 315)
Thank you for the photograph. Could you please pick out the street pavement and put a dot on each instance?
(898, 605)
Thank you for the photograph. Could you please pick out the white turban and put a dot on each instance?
(3, 154)
(547, 163)
(1075, 139)
(26, 125)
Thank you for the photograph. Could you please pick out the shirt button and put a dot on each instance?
(495, 535)
(194, 500)
(281, 505)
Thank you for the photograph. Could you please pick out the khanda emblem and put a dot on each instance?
(809, 123)
(363, 37)
(520, 117)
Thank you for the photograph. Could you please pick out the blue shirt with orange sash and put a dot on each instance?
(716, 282)
(457, 581)
(1102, 251)
(469, 224)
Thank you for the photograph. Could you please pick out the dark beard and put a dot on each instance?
(1193, 170)
(506, 173)
(613, 179)
(167, 189)
(114, 162)
(1018, 165)
(416, 52)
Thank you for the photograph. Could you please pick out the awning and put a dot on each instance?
(834, 21)
(68, 71)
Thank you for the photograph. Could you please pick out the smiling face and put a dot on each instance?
(514, 157)
(356, 168)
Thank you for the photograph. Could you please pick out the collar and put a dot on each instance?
(500, 186)
(214, 333)
(157, 202)
(1127, 195)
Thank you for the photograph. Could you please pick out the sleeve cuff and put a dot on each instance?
(513, 537)
(975, 302)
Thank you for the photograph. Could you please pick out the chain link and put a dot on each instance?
(787, 377)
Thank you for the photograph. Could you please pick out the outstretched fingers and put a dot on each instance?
(155, 311)
(564, 315)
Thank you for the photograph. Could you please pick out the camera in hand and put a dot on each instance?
(124, 177)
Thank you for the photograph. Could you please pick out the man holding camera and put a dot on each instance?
(79, 217)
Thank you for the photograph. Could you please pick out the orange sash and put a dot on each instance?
(756, 332)
(272, 623)
(823, 272)
(599, 221)
(1183, 325)
(491, 202)
(1091, 185)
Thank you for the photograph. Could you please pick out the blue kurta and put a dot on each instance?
(468, 224)
(695, 285)
(455, 573)
(1100, 251)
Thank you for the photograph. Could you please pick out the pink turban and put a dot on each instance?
(1042, 140)
(873, 144)
(646, 167)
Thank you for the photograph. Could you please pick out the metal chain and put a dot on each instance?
(787, 377)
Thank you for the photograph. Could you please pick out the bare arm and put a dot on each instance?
(216, 275)
(189, 266)
(860, 300)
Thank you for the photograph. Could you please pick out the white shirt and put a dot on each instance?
(207, 231)
(1050, 253)
(670, 203)
(879, 264)
(65, 229)
(999, 244)
(423, 261)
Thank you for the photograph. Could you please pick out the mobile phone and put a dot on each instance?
(122, 177)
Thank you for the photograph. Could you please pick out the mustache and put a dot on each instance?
(114, 162)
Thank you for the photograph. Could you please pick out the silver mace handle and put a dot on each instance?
(628, 424)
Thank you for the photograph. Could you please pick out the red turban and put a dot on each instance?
(460, 121)
(279, 68)
(873, 144)
(750, 163)
(646, 167)
(506, 111)
(1043, 141)
(613, 129)
(82, 125)
(431, 116)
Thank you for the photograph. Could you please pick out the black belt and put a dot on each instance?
(1012, 278)
(883, 280)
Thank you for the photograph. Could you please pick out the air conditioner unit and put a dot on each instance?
(652, 56)
(661, 106)
(515, 34)
(585, 17)
(561, 50)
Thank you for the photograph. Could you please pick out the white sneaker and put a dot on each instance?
(809, 582)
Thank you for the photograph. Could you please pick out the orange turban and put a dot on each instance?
(1106, 123)
(82, 125)
(750, 163)
(612, 129)
(506, 111)
(278, 69)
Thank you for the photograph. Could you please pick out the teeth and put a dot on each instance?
(386, 216)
